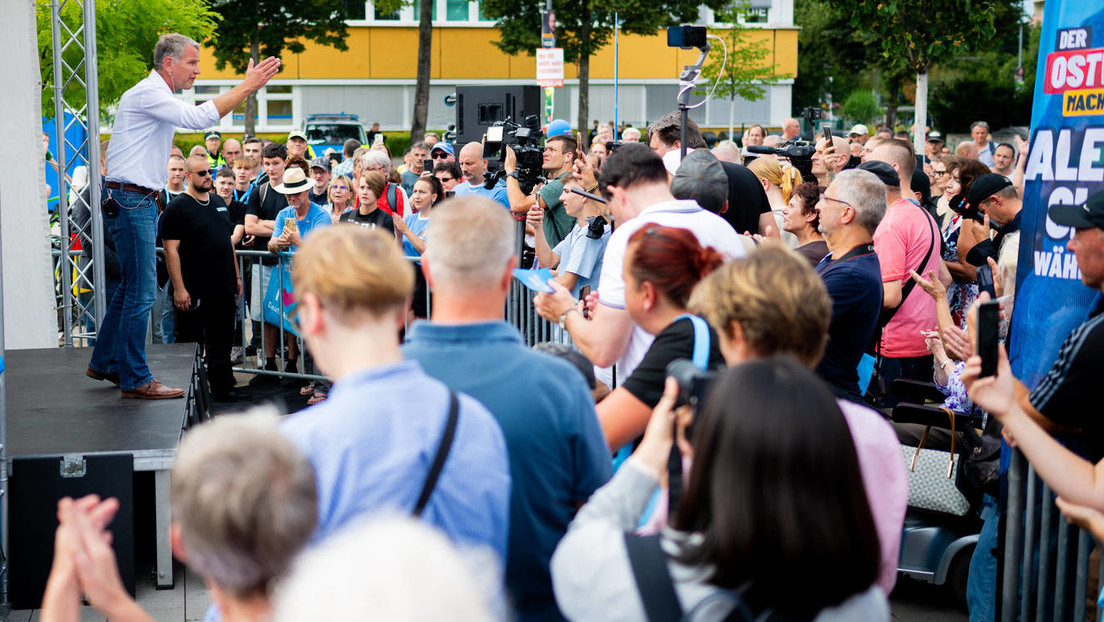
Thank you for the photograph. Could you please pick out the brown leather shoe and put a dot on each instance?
(95, 375)
(154, 390)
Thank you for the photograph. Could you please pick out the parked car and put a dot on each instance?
(330, 131)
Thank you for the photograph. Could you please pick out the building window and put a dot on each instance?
(384, 17)
(756, 15)
(356, 10)
(457, 10)
(417, 10)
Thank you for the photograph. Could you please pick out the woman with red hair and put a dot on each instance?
(662, 266)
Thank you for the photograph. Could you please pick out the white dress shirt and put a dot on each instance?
(142, 136)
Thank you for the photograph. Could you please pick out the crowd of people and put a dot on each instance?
(582, 483)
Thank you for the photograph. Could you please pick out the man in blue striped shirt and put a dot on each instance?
(558, 455)
(373, 441)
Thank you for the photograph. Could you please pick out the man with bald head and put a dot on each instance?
(472, 165)
(231, 150)
(829, 160)
(791, 129)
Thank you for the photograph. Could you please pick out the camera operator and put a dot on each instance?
(559, 159)
(473, 167)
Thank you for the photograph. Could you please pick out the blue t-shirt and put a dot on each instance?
(316, 217)
(582, 256)
(855, 286)
(371, 444)
(418, 226)
(558, 454)
(498, 193)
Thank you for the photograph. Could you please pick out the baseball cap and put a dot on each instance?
(322, 163)
(558, 127)
(935, 137)
(858, 130)
(212, 134)
(701, 178)
(1086, 216)
(296, 134)
(446, 147)
(884, 172)
(986, 186)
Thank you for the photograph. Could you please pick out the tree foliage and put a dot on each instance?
(275, 26)
(126, 32)
(744, 69)
(861, 106)
(583, 27)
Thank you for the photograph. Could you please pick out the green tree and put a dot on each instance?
(584, 27)
(924, 34)
(251, 28)
(126, 32)
(834, 59)
(860, 106)
(742, 62)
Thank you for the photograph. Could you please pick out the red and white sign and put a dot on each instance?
(550, 67)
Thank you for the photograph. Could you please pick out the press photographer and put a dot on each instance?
(558, 159)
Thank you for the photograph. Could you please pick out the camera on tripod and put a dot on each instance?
(525, 140)
(798, 152)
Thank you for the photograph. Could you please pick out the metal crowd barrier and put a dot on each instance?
(1046, 560)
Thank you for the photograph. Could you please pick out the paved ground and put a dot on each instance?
(914, 601)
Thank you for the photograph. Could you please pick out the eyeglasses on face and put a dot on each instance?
(339, 187)
(825, 197)
(201, 173)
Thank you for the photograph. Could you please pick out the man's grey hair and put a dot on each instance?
(171, 46)
(390, 568)
(469, 244)
(350, 147)
(866, 194)
(375, 157)
(245, 501)
(979, 124)
(630, 131)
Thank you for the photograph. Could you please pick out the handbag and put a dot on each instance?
(931, 474)
(279, 300)
(980, 472)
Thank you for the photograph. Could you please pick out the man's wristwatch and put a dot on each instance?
(563, 318)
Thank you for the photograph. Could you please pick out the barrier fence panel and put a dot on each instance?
(1046, 560)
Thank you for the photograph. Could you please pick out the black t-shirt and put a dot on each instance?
(746, 198)
(813, 251)
(376, 219)
(855, 286)
(265, 210)
(206, 256)
(318, 199)
(674, 342)
(1067, 394)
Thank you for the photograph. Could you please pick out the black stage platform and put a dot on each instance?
(55, 410)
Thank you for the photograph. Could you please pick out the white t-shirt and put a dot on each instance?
(709, 228)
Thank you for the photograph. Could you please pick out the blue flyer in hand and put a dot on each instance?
(536, 280)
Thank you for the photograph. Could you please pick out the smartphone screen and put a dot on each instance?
(427, 164)
(985, 280)
(826, 130)
(988, 327)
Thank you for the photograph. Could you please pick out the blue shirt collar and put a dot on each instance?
(457, 333)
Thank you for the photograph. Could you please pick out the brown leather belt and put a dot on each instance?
(118, 185)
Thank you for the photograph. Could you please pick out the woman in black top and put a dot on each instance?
(662, 266)
(368, 214)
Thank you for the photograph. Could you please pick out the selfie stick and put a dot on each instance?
(687, 78)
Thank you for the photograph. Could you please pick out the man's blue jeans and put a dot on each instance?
(121, 338)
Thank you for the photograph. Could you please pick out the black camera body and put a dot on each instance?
(799, 153)
(525, 139)
(694, 384)
(596, 227)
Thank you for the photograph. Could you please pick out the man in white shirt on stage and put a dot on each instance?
(141, 139)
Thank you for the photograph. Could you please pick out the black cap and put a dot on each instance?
(1087, 216)
(986, 186)
(884, 172)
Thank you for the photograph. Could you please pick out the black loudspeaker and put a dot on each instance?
(36, 485)
(479, 107)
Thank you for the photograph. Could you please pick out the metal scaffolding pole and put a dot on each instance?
(76, 274)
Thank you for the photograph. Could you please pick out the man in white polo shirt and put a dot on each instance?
(141, 139)
(634, 184)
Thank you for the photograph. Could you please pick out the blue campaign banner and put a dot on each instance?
(1065, 165)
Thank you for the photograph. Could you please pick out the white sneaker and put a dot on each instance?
(237, 355)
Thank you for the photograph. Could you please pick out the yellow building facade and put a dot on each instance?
(636, 81)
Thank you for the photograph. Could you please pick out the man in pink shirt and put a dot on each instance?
(908, 238)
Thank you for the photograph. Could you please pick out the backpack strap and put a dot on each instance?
(442, 454)
(700, 357)
(391, 198)
(653, 581)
